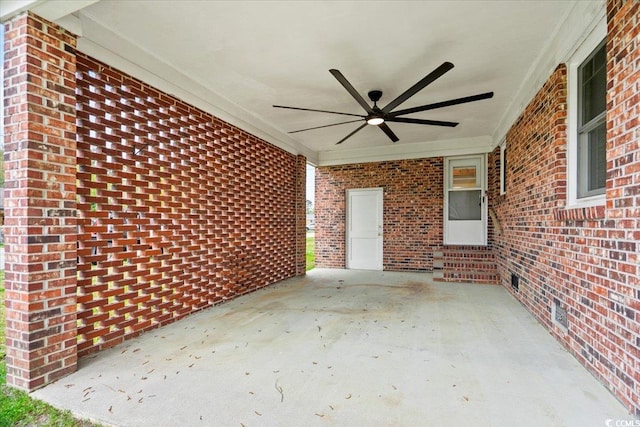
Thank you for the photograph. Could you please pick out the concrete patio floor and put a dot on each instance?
(341, 347)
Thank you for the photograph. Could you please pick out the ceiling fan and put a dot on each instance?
(379, 117)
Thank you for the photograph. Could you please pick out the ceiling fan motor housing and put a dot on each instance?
(375, 95)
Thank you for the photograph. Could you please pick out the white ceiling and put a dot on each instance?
(238, 58)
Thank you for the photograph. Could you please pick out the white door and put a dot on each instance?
(364, 229)
(465, 209)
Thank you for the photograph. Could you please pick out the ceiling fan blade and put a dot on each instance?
(326, 126)
(422, 121)
(428, 79)
(385, 128)
(442, 104)
(318, 111)
(351, 134)
(354, 93)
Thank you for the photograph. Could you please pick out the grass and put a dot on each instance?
(311, 252)
(17, 408)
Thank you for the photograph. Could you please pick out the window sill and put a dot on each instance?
(580, 213)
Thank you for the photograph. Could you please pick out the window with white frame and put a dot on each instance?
(592, 126)
(587, 164)
(503, 167)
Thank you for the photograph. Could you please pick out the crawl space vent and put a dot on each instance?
(559, 314)
(515, 282)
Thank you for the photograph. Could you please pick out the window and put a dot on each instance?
(586, 131)
(592, 127)
(464, 177)
(503, 167)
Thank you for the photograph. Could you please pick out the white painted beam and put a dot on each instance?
(59, 11)
(420, 150)
(71, 23)
(11, 8)
(56, 9)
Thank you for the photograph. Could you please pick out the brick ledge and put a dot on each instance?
(577, 214)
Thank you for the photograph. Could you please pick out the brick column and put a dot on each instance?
(40, 201)
(301, 215)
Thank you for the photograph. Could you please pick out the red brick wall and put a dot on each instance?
(178, 210)
(126, 208)
(586, 259)
(40, 223)
(535, 190)
(413, 203)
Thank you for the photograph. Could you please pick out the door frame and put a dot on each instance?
(483, 192)
(379, 190)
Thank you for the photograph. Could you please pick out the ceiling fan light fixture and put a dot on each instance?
(375, 121)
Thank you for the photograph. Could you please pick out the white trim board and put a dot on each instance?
(420, 150)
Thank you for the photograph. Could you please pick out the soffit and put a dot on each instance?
(241, 57)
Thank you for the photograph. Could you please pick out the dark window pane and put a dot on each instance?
(597, 158)
(593, 78)
(503, 171)
(601, 56)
